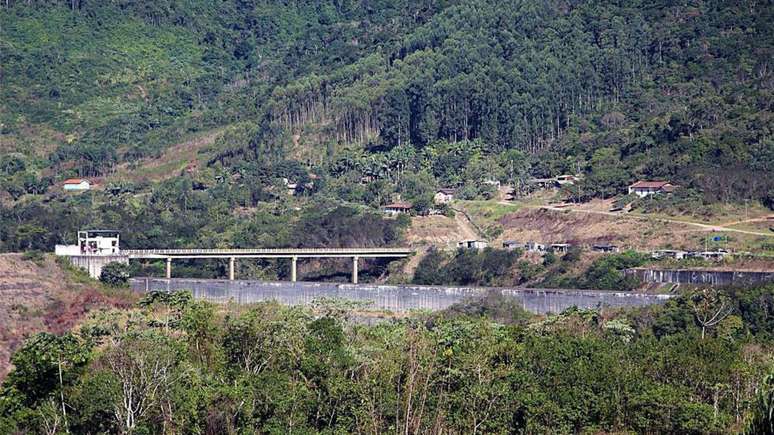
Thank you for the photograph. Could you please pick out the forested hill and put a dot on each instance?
(403, 94)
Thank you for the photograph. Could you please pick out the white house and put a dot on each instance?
(444, 196)
(605, 248)
(397, 208)
(76, 184)
(560, 248)
(472, 244)
(645, 188)
(668, 253)
(534, 247)
(565, 179)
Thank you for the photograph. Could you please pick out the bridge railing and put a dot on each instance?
(279, 251)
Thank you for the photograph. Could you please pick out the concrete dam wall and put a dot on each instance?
(390, 297)
(701, 277)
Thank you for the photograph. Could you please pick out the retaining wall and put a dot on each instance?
(701, 277)
(388, 297)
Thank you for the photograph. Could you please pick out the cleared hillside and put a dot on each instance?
(38, 296)
(221, 123)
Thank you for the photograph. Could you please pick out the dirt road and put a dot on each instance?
(700, 226)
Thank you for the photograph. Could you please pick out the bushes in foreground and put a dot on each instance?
(178, 366)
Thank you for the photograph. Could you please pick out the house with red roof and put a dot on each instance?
(76, 184)
(397, 208)
(645, 188)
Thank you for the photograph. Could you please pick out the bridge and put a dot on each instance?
(291, 253)
(94, 260)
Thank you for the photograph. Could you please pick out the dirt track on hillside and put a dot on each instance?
(439, 230)
(561, 226)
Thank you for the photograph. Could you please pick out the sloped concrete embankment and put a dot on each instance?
(392, 298)
(701, 276)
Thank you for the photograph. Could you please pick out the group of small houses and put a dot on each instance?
(640, 188)
(442, 196)
(563, 248)
(446, 195)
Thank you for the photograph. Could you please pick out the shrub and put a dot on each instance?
(572, 255)
(115, 274)
(35, 256)
(606, 273)
(549, 258)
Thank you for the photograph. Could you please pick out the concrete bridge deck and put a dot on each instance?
(290, 253)
(269, 253)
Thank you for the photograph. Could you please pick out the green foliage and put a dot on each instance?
(482, 365)
(429, 271)
(549, 258)
(173, 304)
(43, 366)
(467, 267)
(606, 273)
(115, 274)
(36, 257)
(458, 96)
(573, 255)
(494, 305)
(762, 419)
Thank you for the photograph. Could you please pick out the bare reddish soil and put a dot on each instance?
(551, 226)
(40, 296)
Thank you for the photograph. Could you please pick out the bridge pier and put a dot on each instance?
(274, 253)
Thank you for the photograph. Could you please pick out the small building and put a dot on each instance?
(507, 192)
(93, 242)
(95, 250)
(566, 180)
(559, 248)
(290, 186)
(535, 247)
(606, 248)
(76, 184)
(512, 244)
(542, 183)
(493, 183)
(472, 244)
(444, 196)
(718, 255)
(645, 188)
(397, 208)
(668, 253)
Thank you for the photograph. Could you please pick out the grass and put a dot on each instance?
(761, 227)
(79, 277)
(488, 212)
(716, 214)
(175, 158)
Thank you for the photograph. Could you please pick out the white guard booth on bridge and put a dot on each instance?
(95, 249)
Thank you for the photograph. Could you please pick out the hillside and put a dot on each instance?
(192, 117)
(39, 296)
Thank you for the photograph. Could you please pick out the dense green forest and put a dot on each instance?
(356, 101)
(173, 365)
